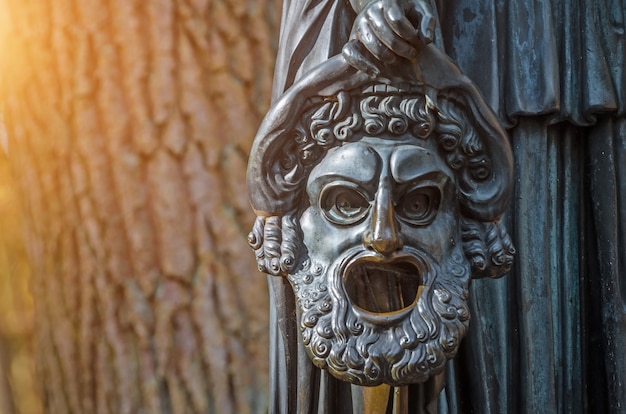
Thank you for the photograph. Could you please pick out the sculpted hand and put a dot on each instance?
(387, 29)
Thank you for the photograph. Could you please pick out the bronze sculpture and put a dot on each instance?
(378, 198)
(374, 178)
(550, 337)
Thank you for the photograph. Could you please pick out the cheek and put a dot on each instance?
(325, 240)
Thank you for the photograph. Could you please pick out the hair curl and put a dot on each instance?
(334, 120)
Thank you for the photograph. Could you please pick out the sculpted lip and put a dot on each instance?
(383, 287)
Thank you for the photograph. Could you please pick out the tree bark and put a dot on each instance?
(129, 125)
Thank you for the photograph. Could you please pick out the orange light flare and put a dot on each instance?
(19, 380)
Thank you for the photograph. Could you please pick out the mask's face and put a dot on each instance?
(382, 296)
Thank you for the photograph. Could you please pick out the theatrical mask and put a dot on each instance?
(379, 204)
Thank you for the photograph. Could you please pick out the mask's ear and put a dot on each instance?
(488, 247)
(277, 244)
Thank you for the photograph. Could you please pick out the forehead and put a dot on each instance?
(364, 161)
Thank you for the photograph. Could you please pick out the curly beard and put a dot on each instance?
(345, 331)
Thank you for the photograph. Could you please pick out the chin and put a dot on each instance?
(370, 319)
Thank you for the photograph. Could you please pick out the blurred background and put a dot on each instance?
(126, 281)
(19, 392)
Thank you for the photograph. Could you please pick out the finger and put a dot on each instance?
(399, 22)
(356, 58)
(365, 33)
(387, 36)
(422, 13)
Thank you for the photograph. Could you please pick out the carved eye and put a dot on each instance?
(343, 204)
(419, 206)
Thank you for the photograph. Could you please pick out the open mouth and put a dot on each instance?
(383, 287)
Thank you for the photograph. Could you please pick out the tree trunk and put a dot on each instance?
(129, 125)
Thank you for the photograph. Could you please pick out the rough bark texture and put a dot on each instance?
(129, 125)
(18, 387)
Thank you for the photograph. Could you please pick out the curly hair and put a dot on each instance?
(338, 119)
(331, 121)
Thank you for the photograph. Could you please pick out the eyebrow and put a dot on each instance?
(435, 177)
(412, 168)
(428, 175)
(323, 179)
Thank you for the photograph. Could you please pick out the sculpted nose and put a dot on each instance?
(383, 233)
